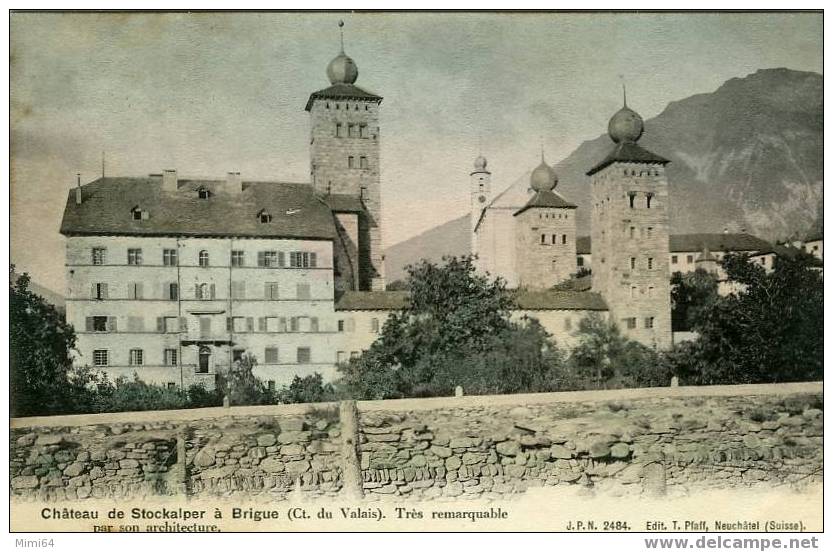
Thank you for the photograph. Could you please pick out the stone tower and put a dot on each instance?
(629, 234)
(480, 190)
(545, 233)
(344, 157)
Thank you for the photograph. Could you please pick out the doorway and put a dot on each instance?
(205, 360)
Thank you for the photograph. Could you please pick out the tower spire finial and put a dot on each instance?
(624, 91)
(341, 31)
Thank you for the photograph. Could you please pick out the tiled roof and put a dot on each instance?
(546, 198)
(559, 300)
(107, 204)
(344, 203)
(343, 91)
(525, 300)
(628, 152)
(371, 300)
(686, 243)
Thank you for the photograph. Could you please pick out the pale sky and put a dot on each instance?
(211, 93)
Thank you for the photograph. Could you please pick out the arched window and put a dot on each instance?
(264, 216)
(203, 193)
(648, 199)
(203, 258)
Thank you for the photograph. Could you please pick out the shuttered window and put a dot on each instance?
(170, 357)
(270, 290)
(304, 355)
(134, 290)
(99, 291)
(271, 355)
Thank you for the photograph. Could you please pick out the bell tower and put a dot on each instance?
(480, 191)
(629, 234)
(345, 160)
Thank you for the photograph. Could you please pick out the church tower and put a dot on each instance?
(480, 191)
(629, 234)
(344, 157)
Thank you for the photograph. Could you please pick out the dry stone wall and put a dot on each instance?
(656, 442)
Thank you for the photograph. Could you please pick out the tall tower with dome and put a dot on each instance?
(629, 233)
(480, 191)
(345, 160)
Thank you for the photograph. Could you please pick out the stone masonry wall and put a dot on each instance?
(618, 443)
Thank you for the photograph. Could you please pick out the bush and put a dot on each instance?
(309, 389)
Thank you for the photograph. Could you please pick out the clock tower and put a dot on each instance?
(481, 195)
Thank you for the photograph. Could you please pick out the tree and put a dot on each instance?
(691, 294)
(40, 344)
(455, 318)
(770, 330)
(309, 389)
(241, 386)
(604, 358)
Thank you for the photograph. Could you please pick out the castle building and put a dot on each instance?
(630, 229)
(527, 234)
(173, 279)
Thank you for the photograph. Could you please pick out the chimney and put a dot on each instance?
(78, 189)
(169, 180)
(234, 184)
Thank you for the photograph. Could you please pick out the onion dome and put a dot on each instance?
(625, 126)
(480, 164)
(342, 70)
(543, 178)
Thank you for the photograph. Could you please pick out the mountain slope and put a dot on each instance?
(746, 156)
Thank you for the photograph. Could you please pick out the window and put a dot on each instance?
(134, 290)
(169, 257)
(134, 256)
(543, 239)
(673, 259)
(354, 355)
(238, 289)
(350, 162)
(203, 258)
(270, 290)
(169, 324)
(563, 239)
(554, 265)
(689, 259)
(631, 198)
(341, 325)
(341, 357)
(99, 291)
(374, 325)
(303, 291)
(205, 325)
(171, 385)
(204, 291)
(264, 217)
(303, 259)
(363, 131)
(136, 357)
(363, 162)
(270, 385)
(202, 193)
(351, 131)
(99, 255)
(650, 263)
(649, 322)
(101, 357)
(269, 259)
(339, 130)
(633, 292)
(304, 355)
(650, 291)
(271, 355)
(271, 324)
(172, 291)
(648, 198)
(650, 231)
(630, 323)
(633, 263)
(763, 261)
(99, 323)
(580, 261)
(170, 357)
(238, 258)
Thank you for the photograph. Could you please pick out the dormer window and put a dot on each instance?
(138, 214)
(203, 193)
(264, 217)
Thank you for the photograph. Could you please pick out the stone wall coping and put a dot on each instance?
(436, 403)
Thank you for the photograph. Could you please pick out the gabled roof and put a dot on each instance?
(106, 203)
(694, 243)
(628, 152)
(343, 203)
(559, 300)
(343, 91)
(547, 199)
